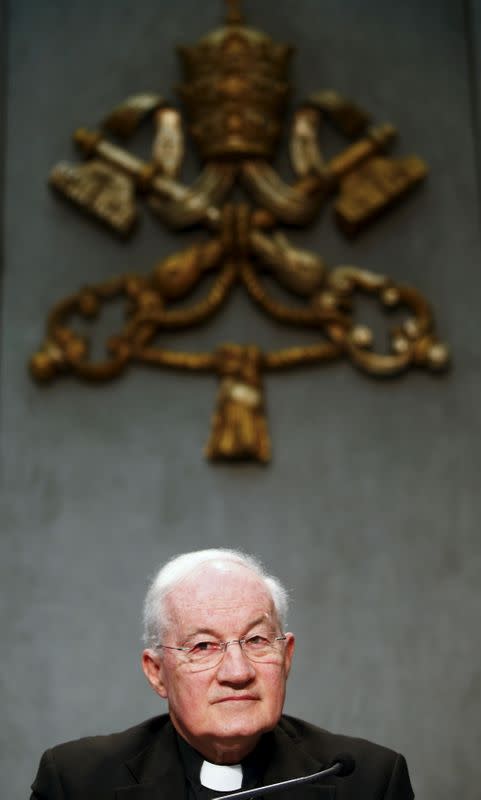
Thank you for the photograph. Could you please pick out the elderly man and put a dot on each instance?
(217, 651)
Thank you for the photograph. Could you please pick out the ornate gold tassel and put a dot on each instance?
(239, 426)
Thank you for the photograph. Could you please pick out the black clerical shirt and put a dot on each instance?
(252, 769)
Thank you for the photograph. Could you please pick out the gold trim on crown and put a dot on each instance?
(235, 92)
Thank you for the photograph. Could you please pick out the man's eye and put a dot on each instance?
(204, 647)
(257, 641)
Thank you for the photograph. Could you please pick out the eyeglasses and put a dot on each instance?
(205, 655)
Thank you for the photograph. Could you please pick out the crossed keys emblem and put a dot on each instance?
(234, 96)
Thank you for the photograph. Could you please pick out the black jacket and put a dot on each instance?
(143, 763)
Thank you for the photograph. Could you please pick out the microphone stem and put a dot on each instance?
(246, 794)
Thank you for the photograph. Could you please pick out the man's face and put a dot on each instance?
(221, 711)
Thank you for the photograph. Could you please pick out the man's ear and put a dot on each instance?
(289, 651)
(153, 668)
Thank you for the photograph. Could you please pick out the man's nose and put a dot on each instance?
(235, 667)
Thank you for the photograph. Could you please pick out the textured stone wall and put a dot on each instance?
(370, 509)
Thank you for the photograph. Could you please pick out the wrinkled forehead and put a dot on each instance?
(220, 594)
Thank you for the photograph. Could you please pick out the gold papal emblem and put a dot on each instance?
(234, 97)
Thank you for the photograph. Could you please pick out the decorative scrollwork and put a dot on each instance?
(241, 67)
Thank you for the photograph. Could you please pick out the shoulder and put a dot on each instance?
(78, 764)
(378, 768)
(123, 744)
(319, 741)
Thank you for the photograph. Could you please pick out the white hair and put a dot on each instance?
(155, 616)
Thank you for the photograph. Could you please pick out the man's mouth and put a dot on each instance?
(237, 698)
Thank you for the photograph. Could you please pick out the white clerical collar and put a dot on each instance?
(221, 777)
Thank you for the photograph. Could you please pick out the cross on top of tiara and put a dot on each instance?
(234, 13)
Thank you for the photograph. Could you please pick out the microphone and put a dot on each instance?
(341, 766)
(346, 765)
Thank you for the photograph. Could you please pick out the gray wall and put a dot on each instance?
(370, 509)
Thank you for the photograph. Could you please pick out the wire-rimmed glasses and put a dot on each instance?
(208, 654)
